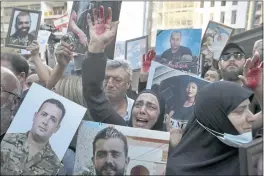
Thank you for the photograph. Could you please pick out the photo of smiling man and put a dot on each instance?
(30, 153)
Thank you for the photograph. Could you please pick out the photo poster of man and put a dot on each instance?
(40, 133)
(179, 48)
(178, 90)
(23, 28)
(104, 149)
(78, 24)
(135, 48)
(119, 50)
(214, 40)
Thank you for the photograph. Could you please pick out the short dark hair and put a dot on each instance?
(57, 103)
(18, 62)
(110, 132)
(22, 13)
(176, 32)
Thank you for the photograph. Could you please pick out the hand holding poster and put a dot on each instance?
(40, 133)
(135, 151)
(23, 28)
(179, 49)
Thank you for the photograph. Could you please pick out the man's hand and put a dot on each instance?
(34, 49)
(63, 53)
(168, 121)
(101, 31)
(146, 60)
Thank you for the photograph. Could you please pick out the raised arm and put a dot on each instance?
(93, 70)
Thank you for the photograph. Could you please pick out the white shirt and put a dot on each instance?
(130, 103)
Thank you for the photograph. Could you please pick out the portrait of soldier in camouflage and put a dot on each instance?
(22, 26)
(31, 153)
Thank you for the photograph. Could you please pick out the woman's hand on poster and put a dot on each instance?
(175, 136)
(75, 29)
(253, 74)
(63, 53)
(102, 31)
(168, 120)
(34, 49)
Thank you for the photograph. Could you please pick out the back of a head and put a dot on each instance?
(70, 87)
(258, 46)
(18, 63)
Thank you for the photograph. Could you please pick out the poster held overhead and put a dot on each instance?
(179, 49)
(23, 28)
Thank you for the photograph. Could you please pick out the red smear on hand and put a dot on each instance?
(102, 15)
(253, 76)
(146, 60)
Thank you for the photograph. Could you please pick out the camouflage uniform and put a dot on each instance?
(14, 157)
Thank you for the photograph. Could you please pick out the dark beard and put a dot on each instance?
(231, 75)
(22, 33)
(105, 166)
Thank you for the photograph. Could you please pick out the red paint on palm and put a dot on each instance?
(99, 24)
(146, 60)
(253, 75)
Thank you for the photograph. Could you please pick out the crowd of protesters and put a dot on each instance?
(227, 111)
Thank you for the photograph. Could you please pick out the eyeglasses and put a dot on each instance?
(237, 56)
(3, 90)
(115, 80)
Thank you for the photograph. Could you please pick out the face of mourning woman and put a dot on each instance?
(146, 111)
(242, 118)
(191, 89)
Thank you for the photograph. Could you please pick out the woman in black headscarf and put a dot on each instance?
(201, 151)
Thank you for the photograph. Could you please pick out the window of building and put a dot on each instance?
(34, 7)
(202, 4)
(222, 17)
(259, 7)
(234, 2)
(201, 18)
(212, 3)
(58, 10)
(223, 3)
(233, 17)
(8, 11)
(211, 16)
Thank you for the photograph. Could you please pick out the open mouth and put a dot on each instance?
(141, 122)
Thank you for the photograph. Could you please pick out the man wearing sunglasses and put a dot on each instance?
(231, 63)
(10, 93)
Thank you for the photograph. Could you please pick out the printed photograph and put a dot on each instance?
(23, 28)
(178, 89)
(179, 48)
(135, 48)
(104, 149)
(214, 40)
(119, 50)
(40, 133)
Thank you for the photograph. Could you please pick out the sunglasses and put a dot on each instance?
(237, 56)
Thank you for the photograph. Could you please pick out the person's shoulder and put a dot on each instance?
(52, 156)
(184, 48)
(167, 51)
(14, 137)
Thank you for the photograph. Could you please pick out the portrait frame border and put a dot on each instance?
(246, 153)
(201, 59)
(14, 9)
(135, 39)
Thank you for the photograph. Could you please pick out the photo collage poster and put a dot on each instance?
(104, 149)
(177, 88)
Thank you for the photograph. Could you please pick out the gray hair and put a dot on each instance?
(257, 44)
(117, 63)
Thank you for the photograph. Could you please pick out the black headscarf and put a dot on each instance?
(199, 152)
(159, 124)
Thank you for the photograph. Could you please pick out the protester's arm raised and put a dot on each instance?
(63, 54)
(93, 70)
(42, 70)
